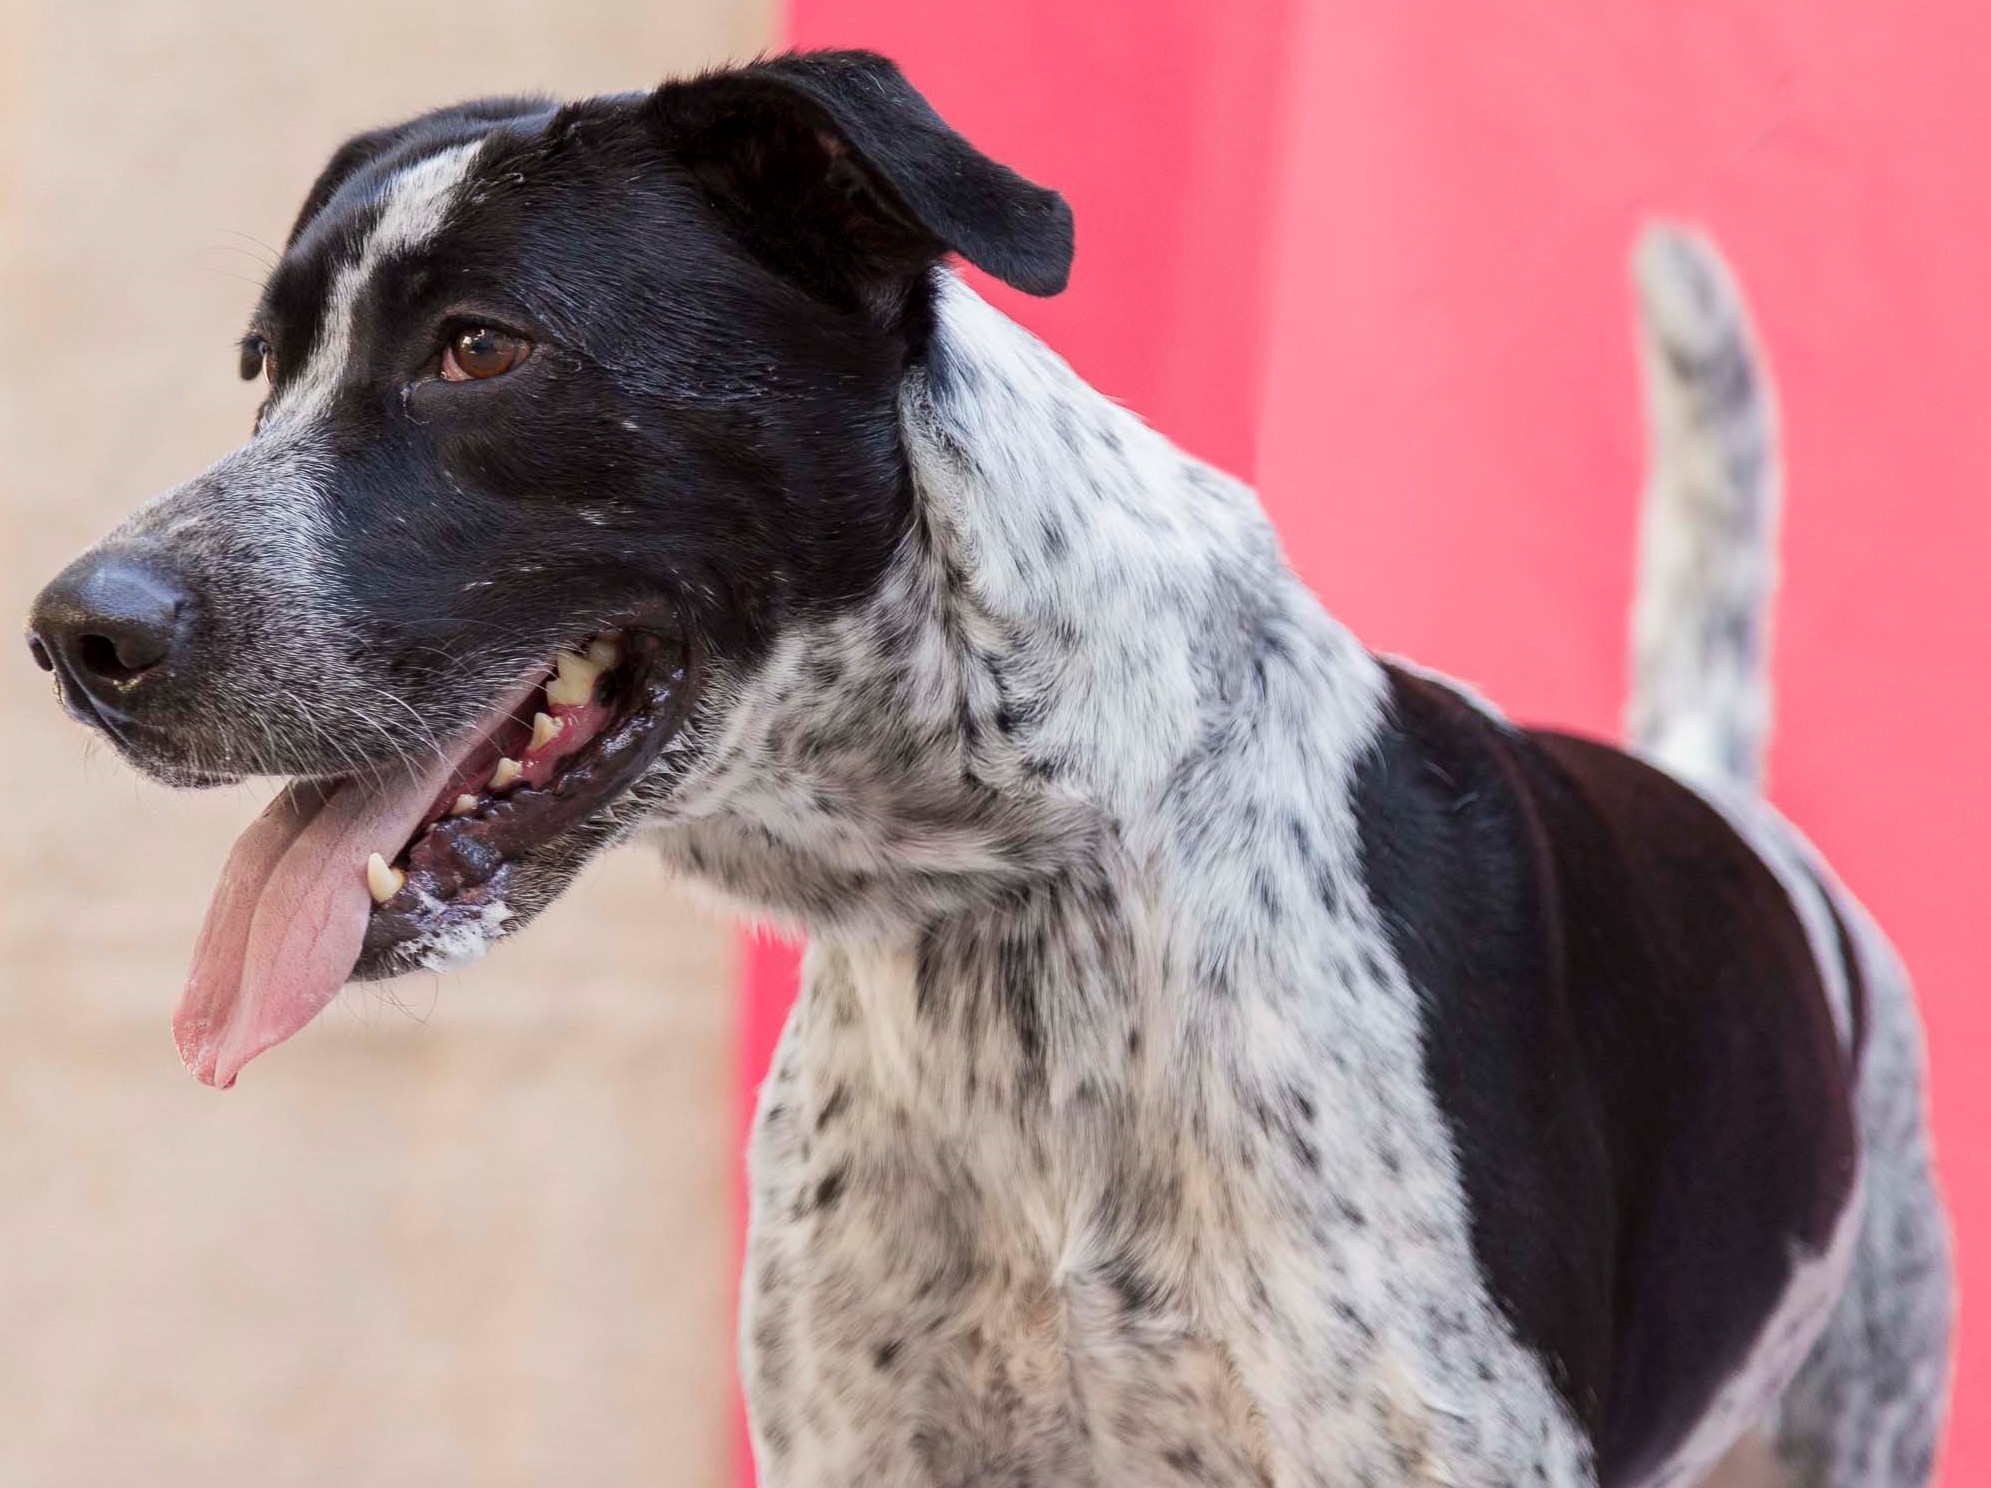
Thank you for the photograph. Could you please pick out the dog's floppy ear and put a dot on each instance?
(833, 167)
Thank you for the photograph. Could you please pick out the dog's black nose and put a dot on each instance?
(109, 624)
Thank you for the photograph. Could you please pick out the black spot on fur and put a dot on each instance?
(1354, 1320)
(1183, 1459)
(1136, 1291)
(833, 1106)
(830, 1189)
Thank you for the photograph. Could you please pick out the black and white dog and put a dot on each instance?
(1227, 1057)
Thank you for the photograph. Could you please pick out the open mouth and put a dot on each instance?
(362, 877)
(583, 737)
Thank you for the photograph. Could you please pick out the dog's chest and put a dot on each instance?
(941, 1290)
(1016, 1268)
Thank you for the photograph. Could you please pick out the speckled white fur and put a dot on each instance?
(1700, 698)
(1167, 1209)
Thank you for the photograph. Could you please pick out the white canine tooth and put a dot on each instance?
(605, 652)
(573, 684)
(383, 880)
(544, 730)
(463, 805)
(506, 774)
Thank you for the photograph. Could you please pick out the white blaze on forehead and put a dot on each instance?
(413, 208)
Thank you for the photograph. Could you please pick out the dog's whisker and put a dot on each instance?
(230, 274)
(255, 258)
(269, 255)
(426, 740)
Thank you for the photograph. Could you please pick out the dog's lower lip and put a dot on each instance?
(459, 867)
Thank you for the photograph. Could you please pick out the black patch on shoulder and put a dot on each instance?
(1627, 1035)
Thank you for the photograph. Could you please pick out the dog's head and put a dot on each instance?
(571, 410)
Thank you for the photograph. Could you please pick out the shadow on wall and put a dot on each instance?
(474, 1231)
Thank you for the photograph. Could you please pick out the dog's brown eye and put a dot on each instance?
(257, 360)
(480, 351)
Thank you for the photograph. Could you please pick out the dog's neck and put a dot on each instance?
(1087, 632)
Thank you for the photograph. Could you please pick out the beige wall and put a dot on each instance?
(471, 1231)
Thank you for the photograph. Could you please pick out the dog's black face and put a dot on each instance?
(571, 410)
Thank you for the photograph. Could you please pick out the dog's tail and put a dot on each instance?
(1700, 701)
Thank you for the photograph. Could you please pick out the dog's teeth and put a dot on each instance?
(507, 773)
(383, 879)
(463, 805)
(605, 652)
(544, 730)
(573, 684)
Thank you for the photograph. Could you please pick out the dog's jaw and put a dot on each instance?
(372, 875)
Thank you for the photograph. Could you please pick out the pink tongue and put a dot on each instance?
(288, 916)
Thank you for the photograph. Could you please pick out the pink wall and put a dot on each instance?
(1450, 430)
(1374, 254)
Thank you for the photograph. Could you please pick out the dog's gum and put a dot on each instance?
(456, 855)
